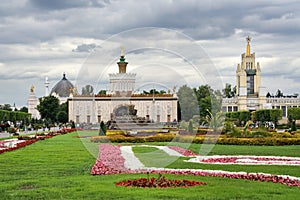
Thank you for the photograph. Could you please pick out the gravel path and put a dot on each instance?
(131, 161)
(169, 151)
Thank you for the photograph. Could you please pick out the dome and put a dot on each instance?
(63, 87)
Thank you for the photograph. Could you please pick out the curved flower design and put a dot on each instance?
(110, 161)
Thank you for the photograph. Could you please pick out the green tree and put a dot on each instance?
(203, 91)
(228, 92)
(188, 102)
(102, 130)
(48, 107)
(87, 90)
(62, 117)
(215, 121)
(102, 92)
(5, 107)
(24, 109)
(64, 107)
(190, 127)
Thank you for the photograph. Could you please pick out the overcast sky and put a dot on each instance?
(189, 42)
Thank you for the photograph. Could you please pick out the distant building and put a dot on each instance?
(250, 95)
(61, 90)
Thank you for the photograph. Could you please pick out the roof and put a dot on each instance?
(63, 87)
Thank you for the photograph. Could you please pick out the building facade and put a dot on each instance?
(121, 97)
(250, 95)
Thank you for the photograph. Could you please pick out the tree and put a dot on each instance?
(62, 117)
(48, 107)
(188, 102)
(102, 130)
(228, 92)
(24, 109)
(190, 127)
(162, 92)
(5, 107)
(215, 121)
(203, 91)
(102, 92)
(87, 90)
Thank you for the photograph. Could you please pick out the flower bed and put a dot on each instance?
(110, 161)
(185, 152)
(161, 182)
(247, 160)
(22, 141)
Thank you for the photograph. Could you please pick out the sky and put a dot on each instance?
(167, 43)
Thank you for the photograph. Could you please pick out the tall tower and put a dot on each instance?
(248, 74)
(122, 83)
(47, 86)
(32, 103)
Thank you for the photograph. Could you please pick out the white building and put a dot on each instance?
(120, 99)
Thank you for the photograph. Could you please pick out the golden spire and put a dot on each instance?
(248, 46)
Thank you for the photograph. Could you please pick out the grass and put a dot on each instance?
(58, 168)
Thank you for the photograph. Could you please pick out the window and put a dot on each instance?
(99, 118)
(158, 118)
(77, 119)
(88, 119)
(235, 108)
(229, 108)
(147, 117)
(283, 111)
(168, 118)
(250, 84)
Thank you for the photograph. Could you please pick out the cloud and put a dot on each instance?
(66, 4)
(84, 48)
(42, 38)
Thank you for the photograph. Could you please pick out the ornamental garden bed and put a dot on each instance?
(111, 160)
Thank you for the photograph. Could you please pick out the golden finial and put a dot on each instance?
(32, 88)
(248, 46)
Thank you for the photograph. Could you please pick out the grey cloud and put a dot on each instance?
(66, 4)
(85, 48)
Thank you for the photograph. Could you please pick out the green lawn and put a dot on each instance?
(58, 168)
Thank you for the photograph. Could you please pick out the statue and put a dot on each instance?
(122, 51)
(248, 39)
(174, 89)
(71, 91)
(32, 89)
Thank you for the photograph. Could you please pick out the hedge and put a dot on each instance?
(6, 115)
(294, 112)
(269, 141)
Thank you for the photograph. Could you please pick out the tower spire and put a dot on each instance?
(248, 46)
(47, 86)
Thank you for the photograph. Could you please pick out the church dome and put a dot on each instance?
(62, 88)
